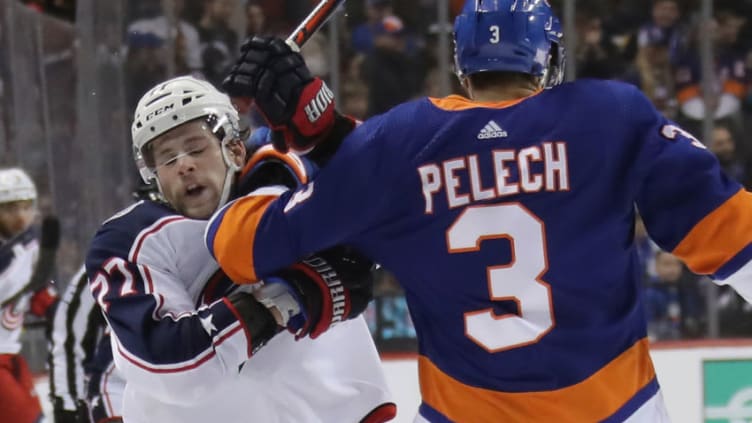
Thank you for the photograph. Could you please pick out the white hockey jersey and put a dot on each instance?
(17, 260)
(185, 355)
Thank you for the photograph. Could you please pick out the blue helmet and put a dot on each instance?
(511, 36)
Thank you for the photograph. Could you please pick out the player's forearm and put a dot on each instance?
(178, 361)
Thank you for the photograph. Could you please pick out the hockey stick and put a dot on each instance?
(315, 20)
(48, 243)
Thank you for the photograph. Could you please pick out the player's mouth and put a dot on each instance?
(194, 190)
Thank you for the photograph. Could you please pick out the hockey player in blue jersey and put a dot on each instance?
(508, 218)
(187, 341)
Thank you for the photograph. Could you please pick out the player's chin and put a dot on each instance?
(201, 207)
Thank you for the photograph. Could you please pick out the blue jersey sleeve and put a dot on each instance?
(270, 229)
(690, 207)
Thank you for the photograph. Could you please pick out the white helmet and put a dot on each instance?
(16, 185)
(175, 102)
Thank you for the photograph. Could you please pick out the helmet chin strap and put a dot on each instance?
(232, 169)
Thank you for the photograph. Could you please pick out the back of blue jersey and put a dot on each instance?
(511, 230)
(510, 226)
(514, 238)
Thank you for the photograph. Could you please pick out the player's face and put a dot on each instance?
(190, 168)
(16, 217)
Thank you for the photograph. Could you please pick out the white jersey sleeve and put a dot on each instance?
(146, 272)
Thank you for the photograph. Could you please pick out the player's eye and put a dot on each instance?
(197, 151)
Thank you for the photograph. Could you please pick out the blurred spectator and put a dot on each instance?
(729, 80)
(354, 90)
(654, 72)
(392, 76)
(664, 28)
(363, 35)
(596, 56)
(219, 43)
(145, 64)
(169, 24)
(255, 20)
(621, 22)
(673, 301)
(723, 145)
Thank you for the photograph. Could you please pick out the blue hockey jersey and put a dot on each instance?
(510, 227)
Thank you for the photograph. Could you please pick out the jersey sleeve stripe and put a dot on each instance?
(614, 385)
(184, 366)
(735, 264)
(714, 241)
(235, 253)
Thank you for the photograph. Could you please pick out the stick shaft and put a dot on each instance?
(315, 20)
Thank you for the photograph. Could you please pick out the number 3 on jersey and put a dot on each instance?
(517, 281)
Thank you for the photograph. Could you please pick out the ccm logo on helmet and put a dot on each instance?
(316, 107)
(160, 111)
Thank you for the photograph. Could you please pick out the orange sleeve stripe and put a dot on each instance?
(593, 399)
(734, 87)
(267, 152)
(688, 93)
(457, 103)
(719, 236)
(233, 243)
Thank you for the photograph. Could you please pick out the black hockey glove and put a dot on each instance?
(299, 108)
(259, 320)
(331, 286)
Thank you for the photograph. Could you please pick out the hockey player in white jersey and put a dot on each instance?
(19, 251)
(187, 340)
(84, 384)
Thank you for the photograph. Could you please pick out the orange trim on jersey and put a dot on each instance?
(456, 103)
(233, 243)
(593, 399)
(734, 87)
(688, 93)
(719, 236)
(267, 152)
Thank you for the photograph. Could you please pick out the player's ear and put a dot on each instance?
(236, 149)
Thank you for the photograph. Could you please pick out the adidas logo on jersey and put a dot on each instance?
(492, 130)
